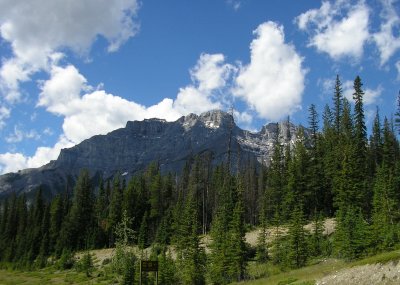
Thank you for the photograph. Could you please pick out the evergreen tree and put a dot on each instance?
(298, 247)
(115, 208)
(385, 211)
(143, 232)
(190, 256)
(338, 105)
(397, 114)
(375, 146)
(101, 214)
(167, 269)
(317, 235)
(81, 216)
(262, 247)
(275, 183)
(236, 255)
(351, 236)
(56, 219)
(360, 136)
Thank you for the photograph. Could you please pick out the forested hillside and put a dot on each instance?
(337, 171)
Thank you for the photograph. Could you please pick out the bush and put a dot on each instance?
(66, 260)
(85, 264)
(129, 269)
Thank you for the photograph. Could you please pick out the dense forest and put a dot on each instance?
(333, 169)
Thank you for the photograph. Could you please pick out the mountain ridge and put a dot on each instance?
(130, 149)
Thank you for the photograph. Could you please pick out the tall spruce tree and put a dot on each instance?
(338, 105)
(298, 247)
(82, 212)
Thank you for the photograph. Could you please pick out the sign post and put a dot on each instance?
(148, 266)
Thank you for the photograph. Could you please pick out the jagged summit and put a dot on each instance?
(130, 149)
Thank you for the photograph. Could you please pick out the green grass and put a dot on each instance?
(262, 274)
(306, 275)
(50, 276)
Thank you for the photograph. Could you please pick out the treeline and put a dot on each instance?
(333, 169)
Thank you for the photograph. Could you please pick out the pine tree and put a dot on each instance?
(360, 136)
(298, 247)
(375, 146)
(351, 236)
(56, 219)
(262, 247)
(143, 232)
(101, 214)
(338, 105)
(385, 211)
(275, 183)
(236, 255)
(317, 235)
(167, 269)
(397, 114)
(82, 212)
(124, 260)
(217, 263)
(115, 208)
(190, 256)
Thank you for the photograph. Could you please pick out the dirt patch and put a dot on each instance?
(274, 232)
(329, 226)
(365, 275)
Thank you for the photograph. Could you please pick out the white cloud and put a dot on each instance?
(235, 4)
(371, 96)
(48, 131)
(243, 118)
(210, 72)
(38, 29)
(87, 112)
(385, 39)
(98, 112)
(19, 135)
(398, 69)
(327, 86)
(4, 114)
(11, 162)
(273, 82)
(339, 29)
(64, 87)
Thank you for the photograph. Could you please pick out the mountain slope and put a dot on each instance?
(130, 149)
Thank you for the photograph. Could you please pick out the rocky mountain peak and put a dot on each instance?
(131, 149)
(211, 119)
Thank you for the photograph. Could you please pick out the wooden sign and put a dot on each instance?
(149, 266)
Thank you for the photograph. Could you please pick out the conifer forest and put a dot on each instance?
(335, 169)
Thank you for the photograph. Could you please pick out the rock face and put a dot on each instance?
(130, 149)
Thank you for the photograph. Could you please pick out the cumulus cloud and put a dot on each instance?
(385, 39)
(37, 29)
(273, 82)
(339, 29)
(370, 95)
(89, 112)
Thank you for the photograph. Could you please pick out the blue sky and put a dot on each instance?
(72, 69)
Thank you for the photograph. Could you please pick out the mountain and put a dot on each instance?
(129, 150)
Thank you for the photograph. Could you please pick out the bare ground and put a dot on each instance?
(370, 274)
(273, 232)
(100, 255)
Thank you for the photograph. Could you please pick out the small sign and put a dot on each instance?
(148, 266)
